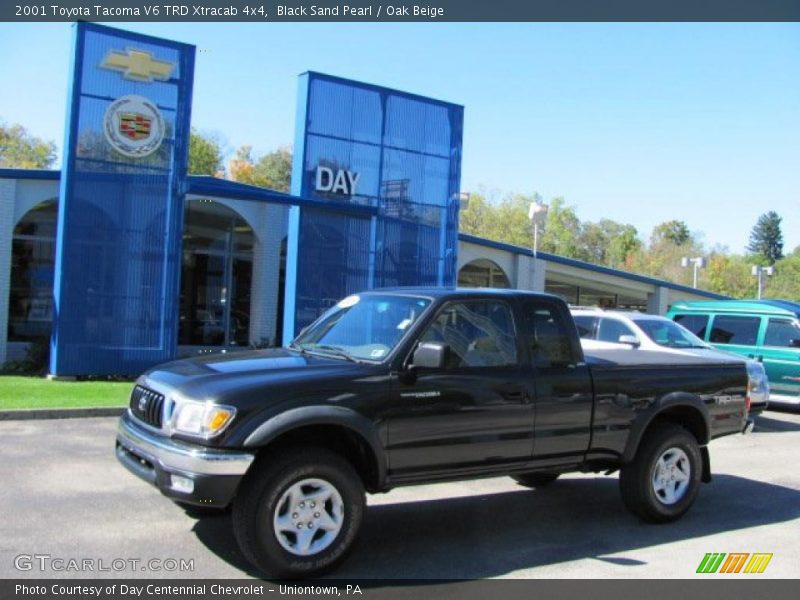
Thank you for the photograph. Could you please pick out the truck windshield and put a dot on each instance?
(362, 327)
(670, 334)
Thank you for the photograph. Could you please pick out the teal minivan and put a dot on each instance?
(766, 330)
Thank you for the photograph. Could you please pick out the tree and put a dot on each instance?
(766, 238)
(673, 231)
(785, 284)
(273, 170)
(561, 231)
(511, 223)
(607, 242)
(729, 275)
(205, 155)
(625, 243)
(240, 167)
(477, 218)
(21, 150)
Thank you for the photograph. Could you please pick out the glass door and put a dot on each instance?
(216, 277)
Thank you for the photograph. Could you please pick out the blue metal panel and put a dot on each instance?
(30, 174)
(406, 150)
(121, 204)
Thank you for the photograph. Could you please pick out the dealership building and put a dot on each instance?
(124, 260)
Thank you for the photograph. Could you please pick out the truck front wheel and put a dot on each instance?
(298, 513)
(662, 481)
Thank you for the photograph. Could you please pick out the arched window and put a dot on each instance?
(30, 310)
(216, 276)
(483, 273)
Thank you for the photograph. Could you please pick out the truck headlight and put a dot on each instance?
(202, 419)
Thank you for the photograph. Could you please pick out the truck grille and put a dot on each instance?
(147, 405)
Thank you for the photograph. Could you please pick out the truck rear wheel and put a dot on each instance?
(298, 514)
(535, 480)
(662, 481)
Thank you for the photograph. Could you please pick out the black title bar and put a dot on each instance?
(399, 11)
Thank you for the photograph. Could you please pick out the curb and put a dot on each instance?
(60, 413)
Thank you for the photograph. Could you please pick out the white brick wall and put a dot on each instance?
(8, 189)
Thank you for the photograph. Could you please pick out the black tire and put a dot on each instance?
(261, 500)
(638, 481)
(535, 480)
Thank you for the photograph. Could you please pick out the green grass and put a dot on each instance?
(38, 392)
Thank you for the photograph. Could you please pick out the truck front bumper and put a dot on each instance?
(185, 472)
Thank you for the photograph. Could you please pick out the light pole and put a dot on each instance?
(758, 271)
(699, 262)
(537, 211)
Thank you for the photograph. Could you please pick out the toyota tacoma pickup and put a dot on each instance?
(408, 386)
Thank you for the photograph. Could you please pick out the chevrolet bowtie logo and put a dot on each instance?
(138, 65)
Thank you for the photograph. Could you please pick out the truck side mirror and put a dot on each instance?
(430, 355)
(629, 339)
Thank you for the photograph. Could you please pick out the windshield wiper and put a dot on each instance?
(334, 350)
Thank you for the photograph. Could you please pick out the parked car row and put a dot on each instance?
(766, 333)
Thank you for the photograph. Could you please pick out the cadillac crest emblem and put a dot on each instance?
(133, 126)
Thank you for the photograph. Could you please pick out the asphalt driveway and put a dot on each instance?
(65, 498)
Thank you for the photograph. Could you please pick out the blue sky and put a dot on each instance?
(640, 123)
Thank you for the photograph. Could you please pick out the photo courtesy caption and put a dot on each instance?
(137, 591)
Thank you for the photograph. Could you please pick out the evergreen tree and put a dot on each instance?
(766, 238)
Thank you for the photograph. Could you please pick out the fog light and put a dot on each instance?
(181, 484)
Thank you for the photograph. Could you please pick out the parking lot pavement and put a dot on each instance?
(64, 495)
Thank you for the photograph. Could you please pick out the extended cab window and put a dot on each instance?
(697, 324)
(735, 330)
(781, 332)
(480, 334)
(547, 336)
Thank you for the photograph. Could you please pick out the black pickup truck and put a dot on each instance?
(409, 386)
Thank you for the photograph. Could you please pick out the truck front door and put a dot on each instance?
(475, 412)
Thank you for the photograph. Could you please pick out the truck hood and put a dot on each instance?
(212, 377)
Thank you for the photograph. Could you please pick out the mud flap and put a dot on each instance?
(706, 476)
